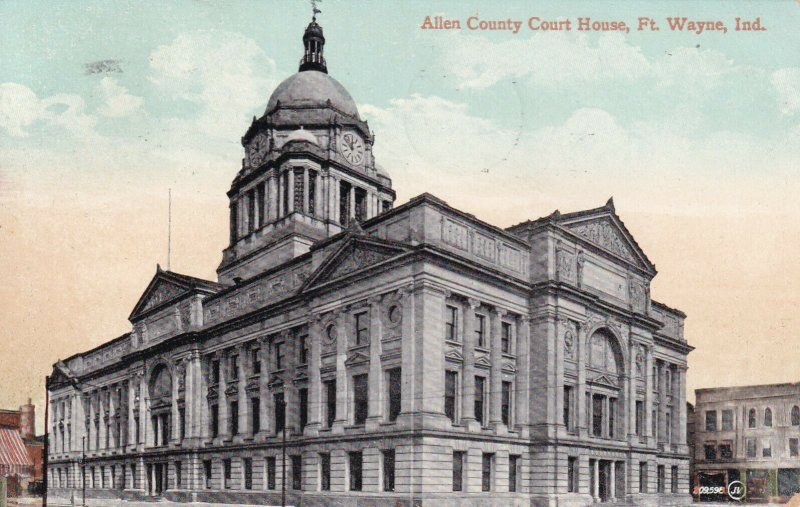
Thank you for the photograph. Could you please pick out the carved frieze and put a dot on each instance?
(565, 264)
(605, 234)
(637, 292)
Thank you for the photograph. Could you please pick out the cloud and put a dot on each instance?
(20, 108)
(117, 101)
(102, 66)
(787, 85)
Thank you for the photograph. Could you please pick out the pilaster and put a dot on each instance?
(468, 382)
(375, 405)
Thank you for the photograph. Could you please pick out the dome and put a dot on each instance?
(302, 135)
(311, 88)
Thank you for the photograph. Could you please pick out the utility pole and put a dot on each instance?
(83, 468)
(283, 453)
(46, 449)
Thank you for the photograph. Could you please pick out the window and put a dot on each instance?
(505, 403)
(214, 420)
(388, 470)
(312, 192)
(751, 447)
(572, 464)
(356, 461)
(766, 449)
(726, 450)
(303, 394)
(642, 477)
(654, 421)
(361, 204)
(513, 463)
(480, 330)
(234, 418)
(710, 450)
(325, 471)
(793, 447)
(271, 472)
(450, 393)
(479, 393)
(360, 398)
(386, 205)
(639, 417)
(260, 191)
(279, 355)
(505, 338)
(795, 416)
(234, 367)
(299, 186)
(612, 419)
(711, 420)
(727, 420)
(181, 423)
(206, 472)
(330, 402)
(362, 328)
(451, 323)
(751, 418)
(661, 478)
(395, 393)
(303, 344)
(255, 363)
(486, 471)
(597, 415)
(768, 417)
(215, 371)
(135, 478)
(297, 472)
(668, 426)
(280, 412)
(102, 477)
(251, 210)
(674, 479)
(248, 473)
(458, 470)
(226, 465)
(255, 415)
(233, 232)
(568, 407)
(344, 204)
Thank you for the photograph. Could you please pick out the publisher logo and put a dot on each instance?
(736, 490)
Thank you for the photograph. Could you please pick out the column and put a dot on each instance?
(630, 393)
(101, 407)
(222, 397)
(522, 392)
(305, 190)
(680, 384)
(649, 398)
(290, 190)
(558, 377)
(319, 197)
(291, 393)
(333, 199)
(376, 390)
(580, 396)
(352, 210)
(496, 374)
(263, 389)
(612, 490)
(662, 406)
(273, 199)
(315, 333)
(195, 396)
(596, 480)
(244, 400)
(342, 387)
(242, 215)
(468, 380)
(408, 403)
(174, 415)
(131, 411)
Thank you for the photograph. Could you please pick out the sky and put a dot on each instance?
(104, 106)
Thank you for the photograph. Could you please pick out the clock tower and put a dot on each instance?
(308, 171)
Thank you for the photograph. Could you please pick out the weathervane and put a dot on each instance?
(314, 10)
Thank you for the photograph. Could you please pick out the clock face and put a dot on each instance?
(352, 148)
(258, 149)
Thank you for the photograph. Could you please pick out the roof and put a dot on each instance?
(315, 89)
(13, 455)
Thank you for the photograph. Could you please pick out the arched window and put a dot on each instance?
(604, 353)
(160, 405)
(795, 416)
(751, 418)
(767, 417)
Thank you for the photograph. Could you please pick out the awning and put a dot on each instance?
(14, 458)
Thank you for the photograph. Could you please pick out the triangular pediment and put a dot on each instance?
(355, 254)
(605, 380)
(453, 355)
(356, 357)
(483, 362)
(166, 287)
(509, 368)
(603, 229)
(60, 376)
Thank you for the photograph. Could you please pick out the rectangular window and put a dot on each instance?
(711, 420)
(458, 470)
(330, 402)
(480, 330)
(640, 417)
(612, 417)
(361, 204)
(642, 477)
(674, 479)
(505, 338)
(505, 403)
(272, 472)
(255, 414)
(297, 472)
(572, 463)
(597, 415)
(280, 412)
(479, 392)
(513, 463)
(303, 394)
(654, 423)
(793, 447)
(344, 204)
(360, 398)
(102, 477)
(486, 471)
(668, 426)
(567, 418)
(279, 356)
(215, 371)
(234, 418)
(388, 470)
(356, 472)
(710, 451)
(751, 447)
(234, 367)
(214, 420)
(251, 210)
(395, 392)
(386, 206)
(134, 477)
(181, 423)
(299, 188)
(248, 473)
(226, 465)
(451, 323)
(261, 204)
(450, 391)
(726, 450)
(362, 328)
(661, 478)
(255, 362)
(303, 346)
(727, 420)
(206, 473)
(233, 232)
(325, 471)
(137, 430)
(766, 449)
(312, 192)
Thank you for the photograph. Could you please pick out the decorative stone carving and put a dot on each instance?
(161, 293)
(638, 295)
(565, 264)
(640, 357)
(605, 234)
(569, 344)
(579, 268)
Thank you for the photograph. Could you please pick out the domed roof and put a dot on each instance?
(302, 135)
(381, 171)
(311, 88)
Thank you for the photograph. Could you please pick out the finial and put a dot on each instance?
(610, 203)
(314, 10)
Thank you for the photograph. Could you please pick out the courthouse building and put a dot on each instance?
(410, 354)
(749, 434)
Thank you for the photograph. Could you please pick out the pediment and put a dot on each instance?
(483, 362)
(356, 357)
(355, 254)
(61, 376)
(607, 232)
(605, 380)
(509, 368)
(166, 287)
(453, 355)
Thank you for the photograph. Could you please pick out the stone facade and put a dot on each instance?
(409, 355)
(749, 434)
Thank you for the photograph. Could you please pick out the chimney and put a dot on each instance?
(27, 423)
